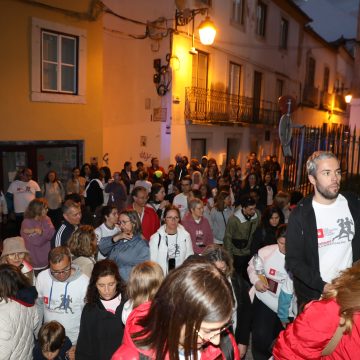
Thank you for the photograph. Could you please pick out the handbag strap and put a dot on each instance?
(334, 341)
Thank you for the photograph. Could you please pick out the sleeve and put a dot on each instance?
(3, 204)
(257, 241)
(306, 337)
(189, 247)
(284, 304)
(153, 246)
(5, 339)
(228, 235)
(106, 245)
(251, 272)
(209, 234)
(85, 341)
(295, 255)
(48, 230)
(9, 197)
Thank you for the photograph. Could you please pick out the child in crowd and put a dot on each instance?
(52, 343)
(144, 281)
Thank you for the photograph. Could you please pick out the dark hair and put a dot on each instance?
(190, 294)
(106, 211)
(136, 190)
(82, 171)
(46, 178)
(295, 197)
(95, 172)
(268, 213)
(281, 231)
(74, 197)
(11, 280)
(220, 199)
(68, 204)
(139, 163)
(171, 207)
(107, 173)
(246, 201)
(103, 268)
(35, 208)
(155, 188)
(58, 254)
(186, 178)
(153, 159)
(51, 336)
(216, 252)
(127, 163)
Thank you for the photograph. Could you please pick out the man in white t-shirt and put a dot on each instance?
(323, 236)
(181, 200)
(20, 193)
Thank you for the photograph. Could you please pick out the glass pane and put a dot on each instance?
(68, 50)
(60, 159)
(49, 76)
(12, 161)
(50, 47)
(68, 78)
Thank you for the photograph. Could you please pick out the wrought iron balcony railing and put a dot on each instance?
(205, 106)
(310, 96)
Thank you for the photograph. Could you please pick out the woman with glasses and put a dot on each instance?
(127, 248)
(15, 253)
(157, 200)
(189, 318)
(37, 230)
(171, 244)
(101, 328)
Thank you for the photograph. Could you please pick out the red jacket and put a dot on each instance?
(194, 229)
(150, 222)
(312, 330)
(129, 351)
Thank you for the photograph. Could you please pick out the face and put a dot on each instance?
(27, 175)
(116, 177)
(76, 172)
(232, 172)
(185, 186)
(267, 178)
(327, 179)
(160, 195)
(44, 211)
(171, 175)
(281, 243)
(51, 177)
(203, 190)
(172, 220)
(87, 170)
(113, 217)
(249, 210)
(106, 286)
(141, 198)
(227, 201)
(210, 332)
(252, 180)
(61, 271)
(15, 259)
(155, 163)
(198, 211)
(197, 178)
(274, 220)
(73, 215)
(50, 355)
(126, 225)
(221, 265)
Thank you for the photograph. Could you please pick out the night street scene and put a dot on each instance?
(180, 180)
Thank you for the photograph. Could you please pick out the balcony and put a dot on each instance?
(339, 103)
(310, 96)
(326, 100)
(203, 106)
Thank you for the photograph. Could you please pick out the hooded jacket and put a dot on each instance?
(159, 247)
(18, 320)
(62, 301)
(129, 351)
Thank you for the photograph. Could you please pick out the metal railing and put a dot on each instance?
(207, 106)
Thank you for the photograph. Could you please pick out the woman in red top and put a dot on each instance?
(313, 329)
(189, 318)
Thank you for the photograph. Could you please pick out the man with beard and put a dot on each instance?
(323, 236)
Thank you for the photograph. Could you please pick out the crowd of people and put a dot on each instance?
(179, 264)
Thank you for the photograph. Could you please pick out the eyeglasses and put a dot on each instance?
(14, 256)
(173, 218)
(124, 222)
(215, 334)
(61, 272)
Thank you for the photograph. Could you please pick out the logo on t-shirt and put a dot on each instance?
(346, 229)
(46, 300)
(320, 233)
(272, 271)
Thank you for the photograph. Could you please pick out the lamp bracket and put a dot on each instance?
(183, 17)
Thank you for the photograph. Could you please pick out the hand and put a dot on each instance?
(242, 350)
(260, 286)
(71, 353)
(164, 204)
(38, 231)
(284, 324)
(122, 236)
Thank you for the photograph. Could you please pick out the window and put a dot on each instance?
(326, 79)
(58, 68)
(310, 74)
(200, 69)
(284, 29)
(59, 63)
(279, 91)
(237, 14)
(198, 148)
(234, 78)
(261, 11)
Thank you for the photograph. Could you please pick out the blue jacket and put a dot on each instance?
(126, 254)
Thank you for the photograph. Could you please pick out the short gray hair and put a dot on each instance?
(311, 164)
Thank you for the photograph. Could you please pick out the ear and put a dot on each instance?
(312, 179)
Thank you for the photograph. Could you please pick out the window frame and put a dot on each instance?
(37, 94)
(284, 33)
(261, 18)
(233, 65)
(238, 8)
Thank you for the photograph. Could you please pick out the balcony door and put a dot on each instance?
(257, 95)
(200, 65)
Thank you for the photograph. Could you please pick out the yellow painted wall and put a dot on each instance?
(23, 119)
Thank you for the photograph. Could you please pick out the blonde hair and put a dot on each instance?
(83, 241)
(346, 291)
(144, 281)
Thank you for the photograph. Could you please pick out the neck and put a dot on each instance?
(171, 231)
(138, 208)
(321, 200)
(110, 225)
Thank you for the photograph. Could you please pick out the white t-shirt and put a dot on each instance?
(181, 202)
(23, 193)
(172, 245)
(104, 231)
(335, 229)
(111, 305)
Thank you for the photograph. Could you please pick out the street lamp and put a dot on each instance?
(207, 29)
(348, 98)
